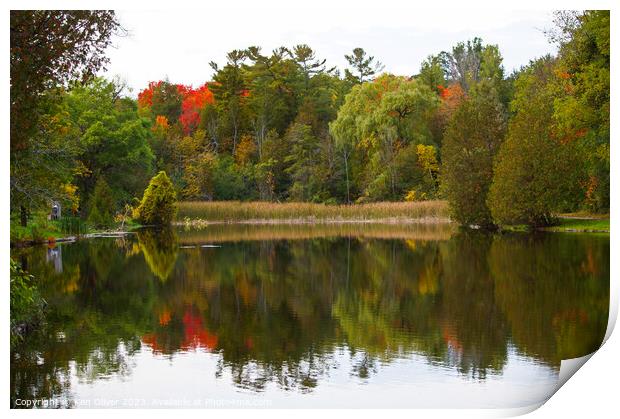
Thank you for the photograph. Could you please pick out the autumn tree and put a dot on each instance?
(198, 177)
(162, 98)
(194, 101)
(472, 61)
(429, 165)
(450, 98)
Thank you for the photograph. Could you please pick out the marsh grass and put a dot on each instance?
(301, 212)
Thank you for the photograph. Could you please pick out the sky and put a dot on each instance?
(179, 44)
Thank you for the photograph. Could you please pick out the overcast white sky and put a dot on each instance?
(180, 43)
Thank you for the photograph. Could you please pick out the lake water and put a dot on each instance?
(311, 316)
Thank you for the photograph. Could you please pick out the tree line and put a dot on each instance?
(284, 126)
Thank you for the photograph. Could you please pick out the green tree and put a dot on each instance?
(265, 101)
(432, 73)
(228, 90)
(102, 205)
(303, 163)
(377, 121)
(363, 66)
(111, 139)
(582, 114)
(472, 139)
(48, 49)
(274, 179)
(228, 180)
(26, 303)
(44, 171)
(158, 205)
(536, 173)
(309, 65)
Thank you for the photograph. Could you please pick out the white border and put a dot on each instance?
(593, 392)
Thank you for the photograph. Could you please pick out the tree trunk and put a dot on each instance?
(346, 171)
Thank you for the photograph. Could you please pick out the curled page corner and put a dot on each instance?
(613, 310)
(518, 411)
(568, 367)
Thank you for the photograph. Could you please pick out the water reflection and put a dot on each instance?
(282, 306)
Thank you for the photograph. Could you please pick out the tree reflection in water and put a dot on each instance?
(282, 310)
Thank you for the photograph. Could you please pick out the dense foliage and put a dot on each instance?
(158, 205)
(50, 48)
(284, 126)
(581, 114)
(536, 173)
(101, 205)
(556, 156)
(471, 142)
(26, 302)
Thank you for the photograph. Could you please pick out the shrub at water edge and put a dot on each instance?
(159, 203)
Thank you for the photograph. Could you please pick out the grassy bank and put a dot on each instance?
(41, 230)
(582, 225)
(298, 212)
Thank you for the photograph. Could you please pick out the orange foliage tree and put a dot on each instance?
(193, 100)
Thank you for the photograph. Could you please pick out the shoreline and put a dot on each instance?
(69, 239)
(309, 221)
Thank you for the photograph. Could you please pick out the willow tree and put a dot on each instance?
(377, 122)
